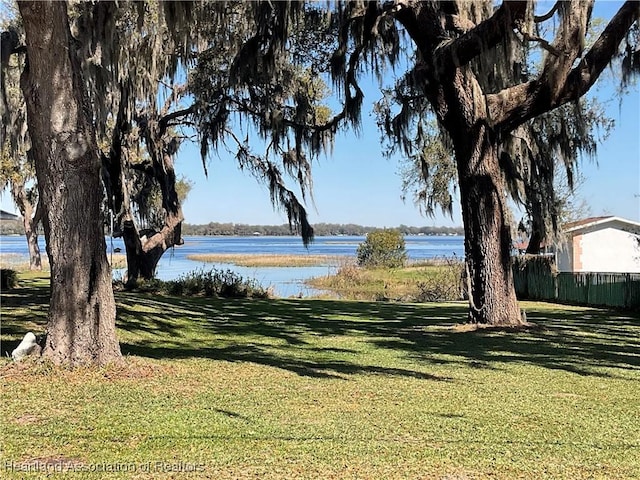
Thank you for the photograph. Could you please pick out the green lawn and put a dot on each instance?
(327, 389)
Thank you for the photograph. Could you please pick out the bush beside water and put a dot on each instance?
(207, 283)
(382, 248)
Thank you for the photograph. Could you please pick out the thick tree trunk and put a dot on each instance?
(142, 258)
(492, 296)
(535, 241)
(143, 254)
(81, 321)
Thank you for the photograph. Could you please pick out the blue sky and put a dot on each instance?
(356, 184)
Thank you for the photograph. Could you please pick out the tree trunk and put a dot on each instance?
(144, 253)
(31, 232)
(142, 258)
(535, 240)
(30, 221)
(81, 320)
(492, 296)
(534, 192)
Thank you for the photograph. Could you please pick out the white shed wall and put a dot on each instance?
(607, 250)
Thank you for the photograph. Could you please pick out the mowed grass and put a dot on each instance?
(265, 260)
(294, 388)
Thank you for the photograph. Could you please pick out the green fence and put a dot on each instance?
(535, 279)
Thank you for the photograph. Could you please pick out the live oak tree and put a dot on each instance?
(541, 181)
(108, 64)
(128, 180)
(81, 319)
(468, 68)
(145, 48)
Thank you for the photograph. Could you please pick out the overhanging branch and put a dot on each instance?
(548, 15)
(515, 105)
(465, 48)
(585, 74)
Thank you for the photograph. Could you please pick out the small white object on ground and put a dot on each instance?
(28, 346)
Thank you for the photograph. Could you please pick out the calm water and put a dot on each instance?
(286, 281)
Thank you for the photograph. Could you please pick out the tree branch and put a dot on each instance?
(543, 43)
(164, 121)
(585, 74)
(464, 49)
(558, 83)
(458, 24)
(548, 15)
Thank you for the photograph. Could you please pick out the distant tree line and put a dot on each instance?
(320, 229)
(15, 227)
(11, 227)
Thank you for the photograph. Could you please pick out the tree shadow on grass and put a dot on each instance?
(32, 296)
(326, 338)
(577, 340)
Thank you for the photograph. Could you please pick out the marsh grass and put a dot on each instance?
(427, 281)
(18, 262)
(117, 260)
(240, 388)
(265, 260)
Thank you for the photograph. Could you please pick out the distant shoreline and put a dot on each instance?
(320, 230)
(14, 227)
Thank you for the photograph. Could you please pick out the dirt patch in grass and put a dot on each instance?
(27, 419)
(33, 369)
(479, 327)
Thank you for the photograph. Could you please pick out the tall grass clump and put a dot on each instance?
(215, 283)
(444, 282)
(204, 283)
(437, 280)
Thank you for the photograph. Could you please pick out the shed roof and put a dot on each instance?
(7, 216)
(599, 222)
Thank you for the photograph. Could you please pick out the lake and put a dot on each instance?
(285, 281)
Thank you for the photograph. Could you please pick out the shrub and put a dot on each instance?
(382, 248)
(211, 283)
(8, 279)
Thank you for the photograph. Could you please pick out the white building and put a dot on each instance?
(600, 244)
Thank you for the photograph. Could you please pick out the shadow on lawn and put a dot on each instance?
(296, 334)
(576, 340)
(32, 294)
